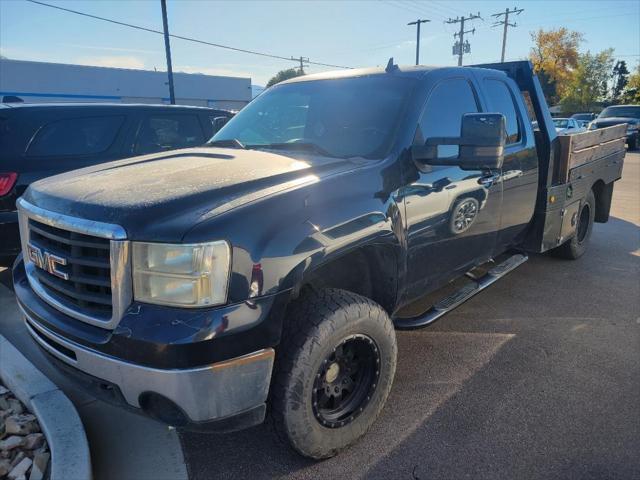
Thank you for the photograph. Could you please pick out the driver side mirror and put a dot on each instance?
(481, 144)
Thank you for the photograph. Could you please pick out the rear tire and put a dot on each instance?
(334, 370)
(575, 248)
(633, 143)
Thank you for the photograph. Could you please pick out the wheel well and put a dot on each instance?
(370, 271)
(602, 193)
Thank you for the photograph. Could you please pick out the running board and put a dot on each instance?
(465, 293)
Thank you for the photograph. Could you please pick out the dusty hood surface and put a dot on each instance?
(160, 196)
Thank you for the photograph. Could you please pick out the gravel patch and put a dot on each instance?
(24, 453)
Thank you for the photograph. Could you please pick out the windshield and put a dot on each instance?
(561, 122)
(582, 116)
(628, 112)
(349, 117)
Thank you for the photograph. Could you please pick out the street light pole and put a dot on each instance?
(417, 24)
(167, 47)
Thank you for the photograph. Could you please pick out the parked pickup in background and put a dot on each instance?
(40, 140)
(621, 114)
(271, 265)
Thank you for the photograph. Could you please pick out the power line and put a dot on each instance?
(433, 9)
(417, 24)
(460, 48)
(422, 9)
(408, 8)
(506, 24)
(180, 37)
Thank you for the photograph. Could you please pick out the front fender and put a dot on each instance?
(278, 240)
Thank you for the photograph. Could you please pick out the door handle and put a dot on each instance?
(488, 180)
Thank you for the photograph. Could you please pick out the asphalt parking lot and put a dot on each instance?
(537, 377)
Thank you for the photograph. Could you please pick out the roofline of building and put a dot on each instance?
(122, 68)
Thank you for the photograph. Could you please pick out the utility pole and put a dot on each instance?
(460, 47)
(506, 24)
(167, 47)
(302, 60)
(417, 24)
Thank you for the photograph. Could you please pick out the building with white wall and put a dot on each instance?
(38, 82)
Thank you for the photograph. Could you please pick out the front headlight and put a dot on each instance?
(181, 275)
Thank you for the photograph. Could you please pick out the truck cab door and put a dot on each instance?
(452, 215)
(520, 167)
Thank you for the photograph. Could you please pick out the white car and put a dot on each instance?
(568, 126)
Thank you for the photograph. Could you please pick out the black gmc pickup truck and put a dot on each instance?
(265, 272)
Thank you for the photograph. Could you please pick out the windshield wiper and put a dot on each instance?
(308, 146)
(227, 142)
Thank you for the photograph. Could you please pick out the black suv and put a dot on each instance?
(615, 115)
(40, 140)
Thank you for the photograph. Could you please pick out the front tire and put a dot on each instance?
(575, 248)
(633, 143)
(334, 371)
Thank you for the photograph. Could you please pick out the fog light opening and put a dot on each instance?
(162, 409)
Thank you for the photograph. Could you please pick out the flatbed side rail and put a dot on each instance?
(582, 148)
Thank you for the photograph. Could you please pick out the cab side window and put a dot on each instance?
(168, 132)
(442, 117)
(500, 100)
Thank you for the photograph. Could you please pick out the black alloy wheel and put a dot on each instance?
(346, 381)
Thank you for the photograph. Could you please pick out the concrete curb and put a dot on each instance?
(56, 414)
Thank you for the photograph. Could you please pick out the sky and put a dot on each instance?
(346, 33)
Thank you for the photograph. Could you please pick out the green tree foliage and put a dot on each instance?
(631, 93)
(283, 75)
(588, 83)
(556, 53)
(619, 80)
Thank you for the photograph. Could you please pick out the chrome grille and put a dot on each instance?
(91, 279)
(88, 286)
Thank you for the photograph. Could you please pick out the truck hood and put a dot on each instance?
(161, 196)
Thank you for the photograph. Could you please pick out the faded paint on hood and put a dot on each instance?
(160, 196)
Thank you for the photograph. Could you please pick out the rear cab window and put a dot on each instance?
(75, 136)
(500, 100)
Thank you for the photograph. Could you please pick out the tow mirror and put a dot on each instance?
(481, 144)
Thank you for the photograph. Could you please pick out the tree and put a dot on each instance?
(556, 53)
(631, 93)
(588, 83)
(619, 77)
(283, 75)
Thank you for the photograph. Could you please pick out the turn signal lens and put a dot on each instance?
(7, 181)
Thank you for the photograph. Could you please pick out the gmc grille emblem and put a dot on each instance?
(47, 261)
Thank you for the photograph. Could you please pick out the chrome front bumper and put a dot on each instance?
(204, 394)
